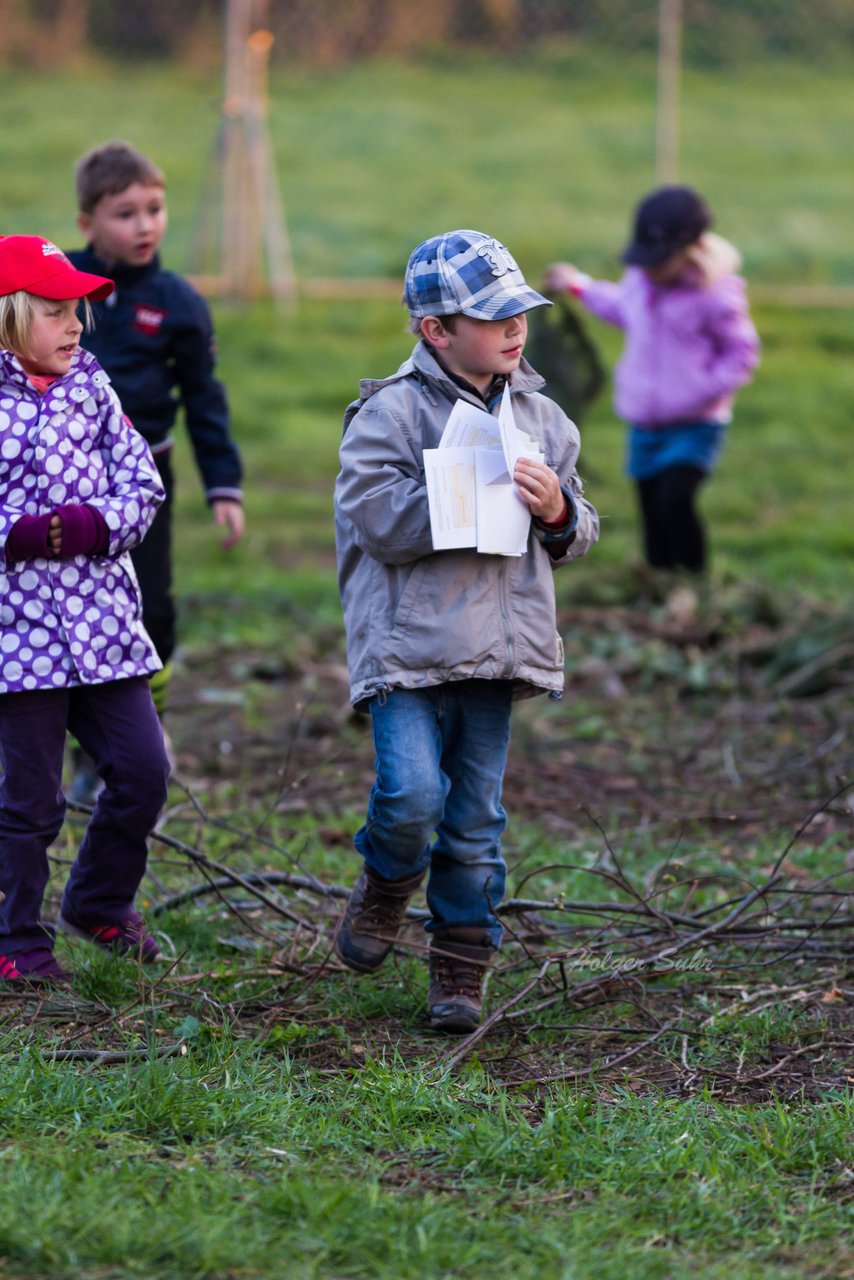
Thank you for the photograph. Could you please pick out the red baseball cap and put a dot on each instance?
(37, 266)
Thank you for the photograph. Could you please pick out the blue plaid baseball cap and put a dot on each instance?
(466, 273)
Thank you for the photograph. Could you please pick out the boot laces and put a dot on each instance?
(458, 977)
(380, 910)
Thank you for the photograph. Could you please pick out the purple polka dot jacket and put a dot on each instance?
(66, 622)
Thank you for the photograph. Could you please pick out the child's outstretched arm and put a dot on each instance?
(604, 298)
(565, 277)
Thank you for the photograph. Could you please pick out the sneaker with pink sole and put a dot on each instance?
(128, 937)
(34, 968)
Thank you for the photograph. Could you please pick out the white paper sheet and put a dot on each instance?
(513, 441)
(469, 426)
(503, 520)
(473, 499)
(450, 475)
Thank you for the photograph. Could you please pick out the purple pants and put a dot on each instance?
(117, 726)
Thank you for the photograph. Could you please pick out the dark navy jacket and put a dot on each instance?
(155, 338)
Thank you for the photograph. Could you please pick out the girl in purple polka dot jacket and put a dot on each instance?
(78, 490)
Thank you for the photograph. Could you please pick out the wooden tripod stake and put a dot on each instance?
(255, 255)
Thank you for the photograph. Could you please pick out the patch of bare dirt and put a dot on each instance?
(725, 730)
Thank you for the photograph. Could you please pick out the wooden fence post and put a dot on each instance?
(667, 105)
(253, 251)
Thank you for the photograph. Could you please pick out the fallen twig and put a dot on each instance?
(109, 1057)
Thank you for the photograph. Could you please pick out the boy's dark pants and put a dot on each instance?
(152, 560)
(117, 726)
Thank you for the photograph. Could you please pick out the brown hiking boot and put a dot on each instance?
(373, 918)
(459, 961)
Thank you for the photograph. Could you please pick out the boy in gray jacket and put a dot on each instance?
(439, 643)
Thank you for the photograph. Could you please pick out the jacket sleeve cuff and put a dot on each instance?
(223, 495)
(559, 532)
(27, 538)
(84, 531)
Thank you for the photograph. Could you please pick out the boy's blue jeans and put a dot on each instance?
(440, 758)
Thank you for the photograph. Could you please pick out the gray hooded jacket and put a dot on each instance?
(415, 617)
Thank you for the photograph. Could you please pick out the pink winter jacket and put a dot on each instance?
(687, 350)
(76, 619)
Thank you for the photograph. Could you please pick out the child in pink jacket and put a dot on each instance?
(690, 344)
(78, 490)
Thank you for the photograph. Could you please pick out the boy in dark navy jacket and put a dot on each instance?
(155, 338)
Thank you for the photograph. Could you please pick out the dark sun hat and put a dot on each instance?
(666, 222)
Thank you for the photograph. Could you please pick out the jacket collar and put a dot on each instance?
(11, 370)
(424, 365)
(120, 272)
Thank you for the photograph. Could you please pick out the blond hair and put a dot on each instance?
(16, 320)
(713, 258)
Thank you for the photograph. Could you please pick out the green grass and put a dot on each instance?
(251, 1165)
(555, 151)
(275, 1143)
(777, 507)
(309, 1132)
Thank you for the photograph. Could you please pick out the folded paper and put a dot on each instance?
(470, 490)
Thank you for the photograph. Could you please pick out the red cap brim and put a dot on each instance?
(61, 285)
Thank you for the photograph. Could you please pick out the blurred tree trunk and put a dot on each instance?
(10, 29)
(71, 28)
(503, 14)
(44, 35)
(503, 18)
(402, 27)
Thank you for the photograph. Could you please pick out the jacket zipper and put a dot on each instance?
(505, 617)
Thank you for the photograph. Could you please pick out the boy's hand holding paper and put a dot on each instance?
(540, 488)
(474, 501)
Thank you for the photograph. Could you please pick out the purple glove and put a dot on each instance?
(28, 538)
(84, 531)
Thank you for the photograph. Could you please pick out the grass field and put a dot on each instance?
(778, 507)
(252, 1111)
(554, 153)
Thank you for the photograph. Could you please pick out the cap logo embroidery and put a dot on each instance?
(51, 251)
(500, 259)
